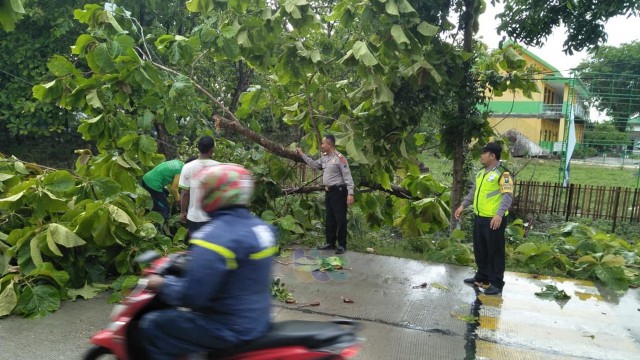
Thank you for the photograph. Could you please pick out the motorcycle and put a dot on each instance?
(286, 340)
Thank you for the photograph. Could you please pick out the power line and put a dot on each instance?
(17, 77)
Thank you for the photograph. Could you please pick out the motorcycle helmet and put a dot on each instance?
(224, 186)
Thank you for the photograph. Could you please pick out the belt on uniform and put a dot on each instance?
(335, 187)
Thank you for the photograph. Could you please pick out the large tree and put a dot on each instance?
(532, 21)
(612, 76)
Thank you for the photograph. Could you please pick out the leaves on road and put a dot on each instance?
(551, 292)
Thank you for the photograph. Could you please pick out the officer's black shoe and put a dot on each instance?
(340, 250)
(326, 247)
(470, 280)
(493, 290)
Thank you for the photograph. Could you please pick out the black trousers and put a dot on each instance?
(335, 202)
(193, 226)
(160, 201)
(489, 251)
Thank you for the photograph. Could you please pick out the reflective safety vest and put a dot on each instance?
(489, 188)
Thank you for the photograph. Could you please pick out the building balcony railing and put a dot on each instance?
(555, 111)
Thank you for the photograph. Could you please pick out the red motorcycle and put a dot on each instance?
(287, 340)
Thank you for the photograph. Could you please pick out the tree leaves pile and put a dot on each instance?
(64, 236)
(577, 251)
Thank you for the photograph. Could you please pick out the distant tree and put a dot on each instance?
(613, 76)
(532, 21)
(605, 137)
(45, 29)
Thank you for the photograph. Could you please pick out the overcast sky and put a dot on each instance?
(619, 29)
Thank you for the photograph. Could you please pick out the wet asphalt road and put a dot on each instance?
(403, 320)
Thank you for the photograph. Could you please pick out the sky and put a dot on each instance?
(619, 30)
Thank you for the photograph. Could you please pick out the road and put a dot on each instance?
(403, 320)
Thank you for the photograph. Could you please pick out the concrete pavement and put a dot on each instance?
(403, 320)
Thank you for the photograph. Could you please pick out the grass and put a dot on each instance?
(542, 170)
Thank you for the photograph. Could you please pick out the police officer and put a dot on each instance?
(491, 196)
(338, 184)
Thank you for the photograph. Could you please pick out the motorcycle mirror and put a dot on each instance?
(147, 256)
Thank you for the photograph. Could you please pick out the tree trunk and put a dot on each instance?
(461, 143)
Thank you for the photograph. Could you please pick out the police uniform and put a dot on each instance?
(338, 183)
(491, 195)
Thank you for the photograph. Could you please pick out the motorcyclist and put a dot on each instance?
(224, 297)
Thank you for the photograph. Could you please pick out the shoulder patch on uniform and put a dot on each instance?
(343, 160)
(506, 183)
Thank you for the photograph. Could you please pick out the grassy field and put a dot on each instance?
(548, 170)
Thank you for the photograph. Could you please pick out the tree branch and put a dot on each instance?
(234, 124)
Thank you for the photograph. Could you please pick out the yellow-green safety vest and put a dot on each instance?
(486, 199)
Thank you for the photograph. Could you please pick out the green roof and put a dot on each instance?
(556, 76)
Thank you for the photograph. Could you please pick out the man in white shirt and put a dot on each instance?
(190, 210)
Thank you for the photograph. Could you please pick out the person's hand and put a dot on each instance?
(458, 212)
(495, 222)
(299, 151)
(183, 218)
(155, 282)
(350, 199)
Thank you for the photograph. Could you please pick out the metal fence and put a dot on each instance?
(596, 202)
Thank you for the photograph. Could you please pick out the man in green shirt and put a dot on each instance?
(157, 179)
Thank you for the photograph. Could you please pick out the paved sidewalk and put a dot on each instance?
(401, 322)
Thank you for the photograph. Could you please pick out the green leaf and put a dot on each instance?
(8, 299)
(59, 181)
(93, 100)
(16, 5)
(612, 260)
(38, 301)
(229, 31)
(86, 292)
(362, 53)
(47, 269)
(551, 292)
(268, 216)
(34, 246)
(61, 67)
(8, 201)
(391, 7)
(122, 217)
(288, 222)
(105, 187)
(123, 265)
(203, 6)
(4, 177)
(10, 13)
(147, 144)
(63, 236)
(398, 34)
(427, 29)
(82, 43)
(587, 259)
(243, 39)
(613, 277)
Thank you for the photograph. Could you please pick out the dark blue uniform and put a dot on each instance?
(227, 288)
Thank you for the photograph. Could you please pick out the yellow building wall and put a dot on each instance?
(535, 129)
(529, 127)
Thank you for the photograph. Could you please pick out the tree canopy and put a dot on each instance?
(532, 21)
(612, 76)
